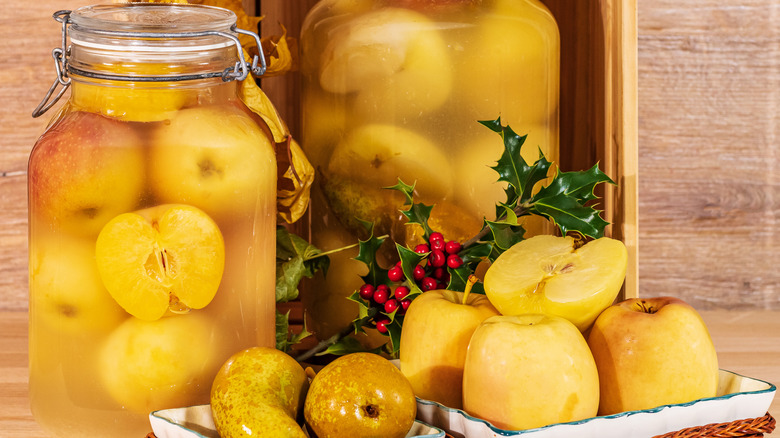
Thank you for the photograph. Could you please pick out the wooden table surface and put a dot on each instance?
(748, 343)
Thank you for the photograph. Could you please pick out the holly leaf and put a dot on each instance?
(578, 185)
(295, 259)
(410, 259)
(416, 213)
(512, 168)
(367, 255)
(564, 202)
(347, 345)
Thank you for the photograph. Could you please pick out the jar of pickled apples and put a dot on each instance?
(151, 218)
(395, 89)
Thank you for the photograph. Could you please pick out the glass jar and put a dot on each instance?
(395, 89)
(152, 213)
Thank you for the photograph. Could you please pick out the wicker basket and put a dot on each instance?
(751, 427)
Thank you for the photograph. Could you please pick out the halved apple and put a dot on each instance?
(168, 257)
(551, 275)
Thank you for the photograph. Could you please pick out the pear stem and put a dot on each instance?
(469, 284)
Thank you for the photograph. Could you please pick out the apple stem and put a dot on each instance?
(469, 284)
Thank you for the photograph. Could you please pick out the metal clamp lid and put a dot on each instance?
(240, 70)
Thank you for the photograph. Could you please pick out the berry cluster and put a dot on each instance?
(430, 273)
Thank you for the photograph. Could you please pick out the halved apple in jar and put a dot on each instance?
(165, 258)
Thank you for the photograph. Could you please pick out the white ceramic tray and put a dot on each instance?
(197, 422)
(738, 398)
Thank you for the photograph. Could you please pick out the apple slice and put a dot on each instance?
(551, 275)
(160, 258)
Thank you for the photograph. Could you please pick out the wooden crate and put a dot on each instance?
(598, 99)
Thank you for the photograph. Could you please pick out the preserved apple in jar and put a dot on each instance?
(152, 213)
(395, 89)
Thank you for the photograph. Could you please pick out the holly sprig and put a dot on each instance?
(565, 198)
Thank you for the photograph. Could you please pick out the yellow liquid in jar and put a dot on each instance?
(96, 370)
(392, 92)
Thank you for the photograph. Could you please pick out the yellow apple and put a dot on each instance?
(167, 257)
(143, 102)
(259, 391)
(513, 65)
(434, 339)
(168, 363)
(378, 154)
(65, 287)
(529, 371)
(652, 352)
(84, 170)
(215, 158)
(551, 275)
(394, 59)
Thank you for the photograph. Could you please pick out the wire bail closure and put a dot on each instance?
(61, 54)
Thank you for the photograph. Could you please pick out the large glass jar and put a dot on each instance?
(152, 209)
(395, 88)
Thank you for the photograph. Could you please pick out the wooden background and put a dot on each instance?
(709, 119)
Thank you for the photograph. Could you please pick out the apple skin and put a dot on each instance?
(434, 340)
(652, 352)
(259, 390)
(528, 371)
(84, 170)
(360, 395)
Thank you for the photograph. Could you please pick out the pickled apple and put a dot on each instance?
(67, 291)
(215, 158)
(169, 257)
(377, 155)
(511, 69)
(86, 169)
(394, 58)
(168, 363)
(143, 103)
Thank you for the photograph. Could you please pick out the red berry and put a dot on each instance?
(401, 292)
(391, 305)
(454, 261)
(436, 236)
(438, 244)
(438, 273)
(381, 325)
(366, 291)
(437, 258)
(421, 248)
(441, 285)
(418, 273)
(405, 304)
(429, 283)
(396, 273)
(452, 247)
(381, 294)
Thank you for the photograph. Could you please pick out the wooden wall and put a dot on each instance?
(709, 125)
